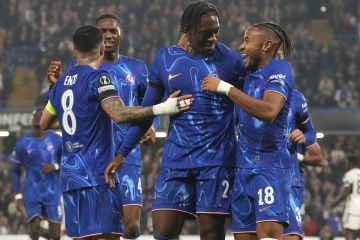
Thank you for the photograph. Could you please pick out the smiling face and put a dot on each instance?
(202, 39)
(252, 48)
(112, 34)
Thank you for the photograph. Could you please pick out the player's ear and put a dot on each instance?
(102, 49)
(74, 52)
(267, 45)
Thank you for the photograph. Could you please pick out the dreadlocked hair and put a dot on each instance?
(193, 13)
(285, 43)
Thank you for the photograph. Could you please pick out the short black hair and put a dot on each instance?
(108, 15)
(87, 38)
(284, 40)
(193, 13)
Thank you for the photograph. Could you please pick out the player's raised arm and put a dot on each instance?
(115, 108)
(49, 118)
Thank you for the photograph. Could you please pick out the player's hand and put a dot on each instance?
(48, 168)
(297, 136)
(112, 168)
(19, 204)
(210, 84)
(54, 72)
(149, 137)
(183, 102)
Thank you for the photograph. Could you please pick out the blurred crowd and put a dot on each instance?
(322, 185)
(327, 59)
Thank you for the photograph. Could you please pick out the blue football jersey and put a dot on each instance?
(31, 152)
(263, 144)
(205, 135)
(299, 119)
(130, 79)
(86, 128)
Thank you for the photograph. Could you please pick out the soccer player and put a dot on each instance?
(39, 152)
(198, 159)
(351, 193)
(130, 79)
(84, 100)
(260, 200)
(301, 139)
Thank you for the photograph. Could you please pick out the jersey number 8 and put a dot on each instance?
(67, 102)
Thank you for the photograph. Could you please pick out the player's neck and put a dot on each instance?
(38, 133)
(91, 61)
(111, 57)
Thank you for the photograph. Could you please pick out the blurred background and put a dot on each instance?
(325, 34)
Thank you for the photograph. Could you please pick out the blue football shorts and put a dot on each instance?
(130, 181)
(194, 191)
(93, 211)
(259, 195)
(295, 219)
(50, 210)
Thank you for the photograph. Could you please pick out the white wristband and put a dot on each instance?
(300, 157)
(56, 166)
(224, 87)
(168, 107)
(18, 196)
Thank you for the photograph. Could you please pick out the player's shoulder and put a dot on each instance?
(131, 60)
(282, 64)
(221, 48)
(53, 135)
(298, 96)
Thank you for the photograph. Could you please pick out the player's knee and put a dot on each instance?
(213, 234)
(132, 229)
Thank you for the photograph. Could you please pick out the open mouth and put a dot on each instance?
(108, 44)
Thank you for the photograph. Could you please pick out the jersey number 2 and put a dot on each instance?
(67, 102)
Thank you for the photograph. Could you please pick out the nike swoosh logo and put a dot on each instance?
(173, 76)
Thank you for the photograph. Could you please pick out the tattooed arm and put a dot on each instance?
(115, 108)
(118, 112)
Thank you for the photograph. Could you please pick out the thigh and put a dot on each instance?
(243, 222)
(130, 180)
(212, 226)
(174, 190)
(213, 190)
(93, 211)
(168, 223)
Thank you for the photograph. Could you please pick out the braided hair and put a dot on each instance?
(284, 41)
(193, 13)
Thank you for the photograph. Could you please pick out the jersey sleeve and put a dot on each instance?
(143, 82)
(281, 79)
(154, 73)
(102, 85)
(302, 118)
